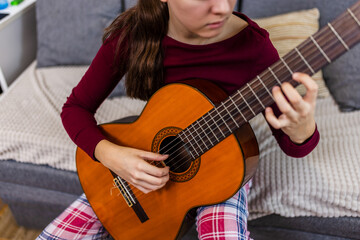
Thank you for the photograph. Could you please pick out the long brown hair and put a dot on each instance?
(138, 52)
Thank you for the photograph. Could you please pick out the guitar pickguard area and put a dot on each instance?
(182, 166)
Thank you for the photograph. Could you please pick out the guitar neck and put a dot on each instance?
(310, 56)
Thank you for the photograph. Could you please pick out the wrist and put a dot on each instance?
(103, 151)
(307, 134)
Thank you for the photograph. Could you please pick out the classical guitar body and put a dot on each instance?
(209, 179)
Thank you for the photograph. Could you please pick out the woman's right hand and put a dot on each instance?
(129, 163)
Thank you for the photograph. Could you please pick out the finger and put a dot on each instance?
(283, 105)
(310, 85)
(155, 171)
(153, 156)
(150, 179)
(141, 188)
(149, 182)
(293, 96)
(144, 168)
(275, 122)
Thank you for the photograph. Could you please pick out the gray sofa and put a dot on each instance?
(37, 190)
(36, 194)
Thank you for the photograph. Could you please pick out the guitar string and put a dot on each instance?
(276, 65)
(297, 62)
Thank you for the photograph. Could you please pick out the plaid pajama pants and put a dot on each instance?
(227, 220)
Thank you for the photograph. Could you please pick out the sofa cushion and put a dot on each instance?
(129, 3)
(325, 183)
(289, 30)
(84, 19)
(342, 76)
(266, 8)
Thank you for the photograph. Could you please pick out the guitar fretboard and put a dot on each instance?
(310, 56)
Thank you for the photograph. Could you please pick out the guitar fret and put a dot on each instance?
(210, 141)
(222, 119)
(320, 49)
(307, 64)
(238, 109)
(255, 95)
(194, 130)
(274, 76)
(287, 66)
(217, 125)
(211, 130)
(230, 114)
(201, 139)
(266, 88)
(338, 36)
(353, 15)
(246, 102)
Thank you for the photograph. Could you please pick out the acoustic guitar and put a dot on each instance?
(212, 149)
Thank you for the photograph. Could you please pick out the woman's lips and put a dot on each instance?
(217, 24)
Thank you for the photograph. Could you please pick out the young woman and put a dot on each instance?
(164, 41)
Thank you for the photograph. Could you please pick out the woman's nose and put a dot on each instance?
(221, 6)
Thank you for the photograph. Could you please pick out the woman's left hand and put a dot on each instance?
(297, 118)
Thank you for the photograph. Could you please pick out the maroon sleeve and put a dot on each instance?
(78, 112)
(270, 56)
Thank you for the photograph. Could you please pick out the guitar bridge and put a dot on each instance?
(129, 197)
(124, 191)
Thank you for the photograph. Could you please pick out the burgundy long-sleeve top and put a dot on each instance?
(230, 63)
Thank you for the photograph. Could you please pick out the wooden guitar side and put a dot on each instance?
(222, 170)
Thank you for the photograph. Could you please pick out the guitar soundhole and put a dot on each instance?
(182, 167)
(179, 160)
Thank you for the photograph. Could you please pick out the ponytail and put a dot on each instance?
(138, 51)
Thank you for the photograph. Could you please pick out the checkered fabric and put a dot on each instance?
(227, 220)
(78, 221)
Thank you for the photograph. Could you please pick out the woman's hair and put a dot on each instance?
(138, 51)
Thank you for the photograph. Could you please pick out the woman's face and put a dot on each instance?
(198, 20)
